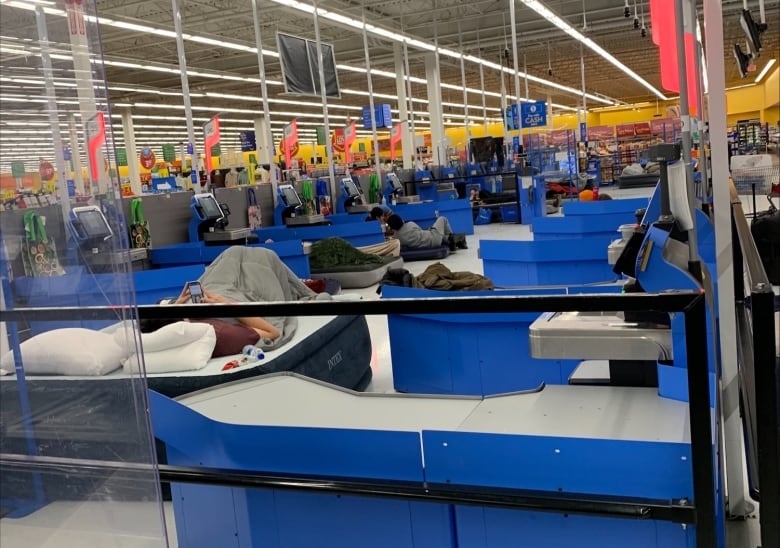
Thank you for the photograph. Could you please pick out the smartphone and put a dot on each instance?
(196, 292)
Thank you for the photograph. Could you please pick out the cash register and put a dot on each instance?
(94, 238)
(289, 210)
(395, 192)
(352, 198)
(210, 221)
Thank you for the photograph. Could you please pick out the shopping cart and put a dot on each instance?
(751, 180)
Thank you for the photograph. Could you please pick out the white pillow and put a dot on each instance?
(175, 348)
(172, 335)
(69, 351)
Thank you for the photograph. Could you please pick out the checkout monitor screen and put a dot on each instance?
(291, 197)
(394, 182)
(94, 224)
(209, 207)
(350, 187)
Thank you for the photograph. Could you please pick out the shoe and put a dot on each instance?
(451, 242)
(462, 245)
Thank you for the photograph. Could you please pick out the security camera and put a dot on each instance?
(549, 72)
(506, 54)
(636, 23)
(643, 33)
(626, 12)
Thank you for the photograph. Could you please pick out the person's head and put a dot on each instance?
(395, 222)
(376, 213)
(604, 196)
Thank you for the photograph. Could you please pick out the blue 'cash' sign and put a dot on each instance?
(534, 114)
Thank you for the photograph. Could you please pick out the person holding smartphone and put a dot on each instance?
(195, 293)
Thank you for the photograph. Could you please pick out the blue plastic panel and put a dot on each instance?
(624, 205)
(580, 225)
(660, 470)
(500, 528)
(458, 213)
(468, 354)
(319, 451)
(358, 234)
(570, 261)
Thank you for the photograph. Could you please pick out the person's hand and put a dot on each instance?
(214, 298)
(184, 297)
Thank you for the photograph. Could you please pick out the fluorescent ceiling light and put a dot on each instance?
(545, 12)
(765, 70)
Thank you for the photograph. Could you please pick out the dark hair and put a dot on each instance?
(395, 222)
(376, 213)
(604, 196)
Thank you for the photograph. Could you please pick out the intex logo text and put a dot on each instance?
(334, 360)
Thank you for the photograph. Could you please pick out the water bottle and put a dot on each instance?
(253, 352)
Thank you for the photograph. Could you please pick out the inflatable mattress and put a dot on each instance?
(77, 416)
(358, 276)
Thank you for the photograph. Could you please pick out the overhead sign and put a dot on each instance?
(169, 152)
(534, 114)
(121, 157)
(46, 171)
(382, 116)
(512, 118)
(96, 138)
(248, 141)
(147, 158)
(337, 140)
(396, 134)
(290, 141)
(350, 134)
(210, 139)
(642, 128)
(17, 169)
(601, 133)
(624, 130)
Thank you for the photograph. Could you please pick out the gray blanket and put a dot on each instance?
(256, 274)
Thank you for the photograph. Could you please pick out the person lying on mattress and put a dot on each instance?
(411, 235)
(254, 275)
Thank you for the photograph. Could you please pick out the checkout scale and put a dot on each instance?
(93, 240)
(610, 440)
(210, 223)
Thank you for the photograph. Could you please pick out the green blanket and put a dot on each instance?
(333, 252)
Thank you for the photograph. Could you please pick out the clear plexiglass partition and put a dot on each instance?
(77, 454)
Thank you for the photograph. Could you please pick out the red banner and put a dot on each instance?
(290, 142)
(642, 128)
(337, 139)
(350, 134)
(96, 138)
(601, 133)
(558, 137)
(624, 130)
(210, 139)
(396, 133)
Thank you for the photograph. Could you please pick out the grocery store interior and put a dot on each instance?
(400, 273)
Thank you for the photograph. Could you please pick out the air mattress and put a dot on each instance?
(358, 276)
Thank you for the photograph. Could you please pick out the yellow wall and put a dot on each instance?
(772, 89)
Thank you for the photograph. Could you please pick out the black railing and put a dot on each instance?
(700, 511)
(758, 373)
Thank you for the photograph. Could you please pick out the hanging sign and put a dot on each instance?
(601, 133)
(75, 17)
(624, 130)
(96, 138)
(17, 169)
(248, 141)
(534, 113)
(337, 140)
(121, 157)
(583, 132)
(642, 128)
(558, 137)
(46, 170)
(147, 158)
(396, 133)
(210, 139)
(350, 134)
(321, 138)
(382, 116)
(169, 153)
(66, 155)
(290, 141)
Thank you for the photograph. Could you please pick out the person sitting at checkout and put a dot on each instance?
(411, 235)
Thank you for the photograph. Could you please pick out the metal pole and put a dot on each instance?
(525, 74)
(269, 137)
(411, 103)
(465, 93)
(694, 265)
(75, 155)
(482, 87)
(377, 165)
(703, 168)
(54, 119)
(724, 251)
(584, 97)
(516, 69)
(324, 96)
(185, 91)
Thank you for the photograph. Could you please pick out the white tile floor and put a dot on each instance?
(133, 525)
